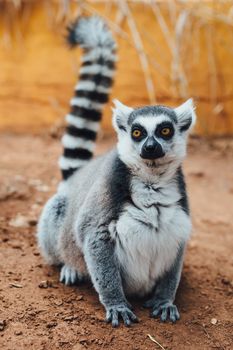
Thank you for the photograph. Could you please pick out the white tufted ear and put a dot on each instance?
(121, 113)
(186, 115)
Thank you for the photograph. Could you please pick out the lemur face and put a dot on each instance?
(153, 135)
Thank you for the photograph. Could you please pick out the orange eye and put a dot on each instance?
(166, 131)
(137, 133)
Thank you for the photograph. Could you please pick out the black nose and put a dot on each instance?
(152, 149)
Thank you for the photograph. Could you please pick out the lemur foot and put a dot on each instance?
(69, 276)
(166, 310)
(113, 313)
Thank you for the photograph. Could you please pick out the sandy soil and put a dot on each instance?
(37, 312)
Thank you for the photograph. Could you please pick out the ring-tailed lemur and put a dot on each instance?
(122, 219)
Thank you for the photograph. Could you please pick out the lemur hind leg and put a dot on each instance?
(49, 228)
(74, 270)
(162, 302)
(54, 242)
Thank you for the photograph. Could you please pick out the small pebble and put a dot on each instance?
(51, 324)
(18, 332)
(32, 222)
(19, 221)
(2, 325)
(214, 321)
(45, 284)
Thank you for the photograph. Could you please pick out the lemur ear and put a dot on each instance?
(120, 115)
(186, 115)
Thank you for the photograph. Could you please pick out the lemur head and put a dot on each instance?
(153, 136)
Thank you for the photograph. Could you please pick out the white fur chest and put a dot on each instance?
(148, 234)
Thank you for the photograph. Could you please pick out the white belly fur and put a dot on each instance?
(143, 252)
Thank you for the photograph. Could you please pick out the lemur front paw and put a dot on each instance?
(69, 276)
(166, 310)
(113, 313)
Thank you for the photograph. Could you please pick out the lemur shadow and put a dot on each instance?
(188, 293)
(188, 290)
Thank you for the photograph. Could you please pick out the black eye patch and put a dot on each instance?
(138, 133)
(165, 130)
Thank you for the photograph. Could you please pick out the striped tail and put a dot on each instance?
(91, 92)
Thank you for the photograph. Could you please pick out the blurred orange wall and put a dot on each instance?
(38, 73)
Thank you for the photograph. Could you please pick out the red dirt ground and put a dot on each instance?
(37, 312)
